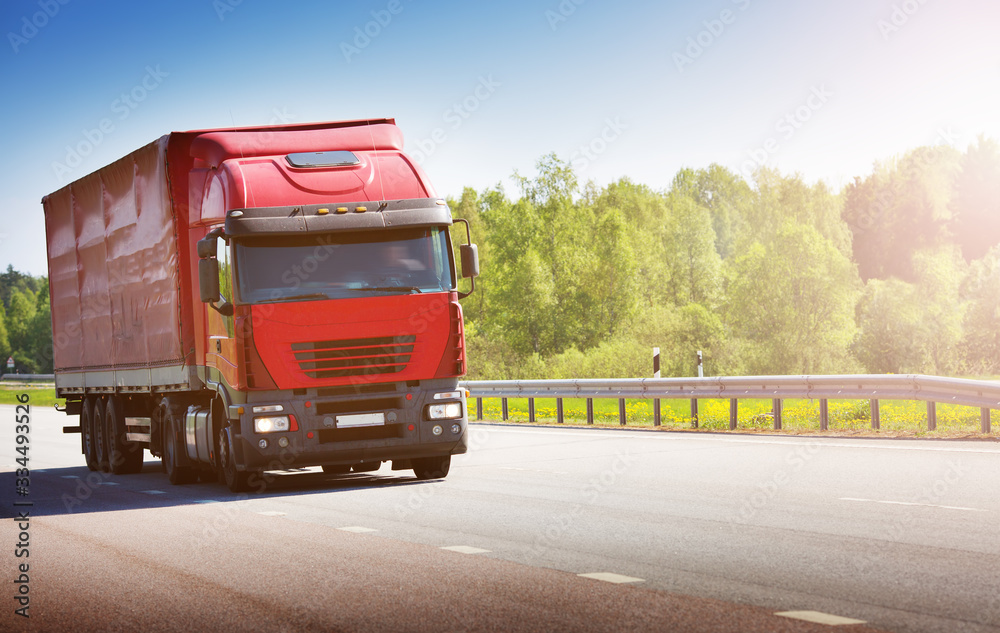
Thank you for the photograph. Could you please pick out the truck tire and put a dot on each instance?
(236, 480)
(126, 457)
(176, 474)
(102, 450)
(87, 443)
(432, 467)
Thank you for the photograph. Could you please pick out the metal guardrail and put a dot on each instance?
(873, 387)
(28, 378)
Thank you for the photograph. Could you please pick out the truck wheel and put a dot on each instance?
(88, 445)
(236, 480)
(126, 457)
(176, 474)
(432, 467)
(102, 454)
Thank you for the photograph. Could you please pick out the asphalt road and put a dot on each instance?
(698, 533)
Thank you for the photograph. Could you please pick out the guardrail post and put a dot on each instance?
(694, 413)
(479, 409)
(876, 418)
(559, 411)
(931, 416)
(656, 374)
(531, 409)
(824, 414)
(777, 413)
(621, 411)
(984, 419)
(590, 410)
(503, 409)
(734, 410)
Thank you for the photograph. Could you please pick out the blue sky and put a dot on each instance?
(637, 89)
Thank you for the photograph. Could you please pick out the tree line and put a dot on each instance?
(25, 323)
(899, 272)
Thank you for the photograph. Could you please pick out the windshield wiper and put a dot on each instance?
(309, 297)
(409, 289)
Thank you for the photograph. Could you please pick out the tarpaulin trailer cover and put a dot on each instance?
(114, 267)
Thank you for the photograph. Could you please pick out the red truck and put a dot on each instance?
(252, 299)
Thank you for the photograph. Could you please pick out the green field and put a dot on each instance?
(38, 396)
(798, 416)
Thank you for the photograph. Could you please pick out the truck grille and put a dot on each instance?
(354, 357)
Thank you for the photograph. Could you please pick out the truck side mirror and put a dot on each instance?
(208, 278)
(207, 247)
(470, 260)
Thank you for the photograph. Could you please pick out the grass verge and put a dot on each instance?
(38, 396)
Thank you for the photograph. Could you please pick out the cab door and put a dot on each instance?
(220, 353)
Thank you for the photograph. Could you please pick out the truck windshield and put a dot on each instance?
(343, 265)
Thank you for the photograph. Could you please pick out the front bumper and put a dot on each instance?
(322, 435)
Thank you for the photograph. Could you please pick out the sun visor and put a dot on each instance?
(327, 218)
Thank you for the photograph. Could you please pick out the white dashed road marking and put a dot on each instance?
(909, 503)
(819, 618)
(465, 549)
(356, 529)
(618, 579)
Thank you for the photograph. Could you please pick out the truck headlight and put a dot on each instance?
(271, 424)
(446, 411)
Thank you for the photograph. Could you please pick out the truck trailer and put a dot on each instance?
(254, 299)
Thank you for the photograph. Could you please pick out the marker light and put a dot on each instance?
(360, 209)
(341, 209)
(448, 395)
(268, 408)
(322, 211)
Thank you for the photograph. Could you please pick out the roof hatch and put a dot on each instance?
(339, 158)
